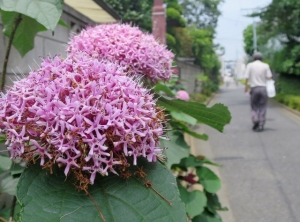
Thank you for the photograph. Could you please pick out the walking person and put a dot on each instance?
(256, 74)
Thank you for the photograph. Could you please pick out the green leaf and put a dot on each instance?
(208, 179)
(207, 217)
(177, 148)
(8, 185)
(191, 161)
(216, 116)
(183, 117)
(24, 37)
(209, 162)
(62, 23)
(2, 139)
(51, 197)
(213, 203)
(5, 212)
(46, 12)
(16, 169)
(5, 163)
(161, 87)
(186, 129)
(195, 201)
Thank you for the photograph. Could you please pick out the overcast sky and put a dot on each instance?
(231, 24)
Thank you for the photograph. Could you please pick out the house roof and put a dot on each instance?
(96, 10)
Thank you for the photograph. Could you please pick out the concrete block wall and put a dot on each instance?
(188, 73)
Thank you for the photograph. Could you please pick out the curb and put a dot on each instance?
(285, 107)
(200, 147)
(211, 98)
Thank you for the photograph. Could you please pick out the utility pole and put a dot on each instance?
(254, 29)
(254, 37)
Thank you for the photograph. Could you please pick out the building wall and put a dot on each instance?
(188, 73)
(45, 43)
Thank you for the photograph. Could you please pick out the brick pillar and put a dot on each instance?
(159, 21)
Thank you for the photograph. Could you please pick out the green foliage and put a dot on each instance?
(174, 18)
(209, 180)
(138, 13)
(207, 217)
(207, 199)
(185, 40)
(180, 126)
(117, 199)
(45, 12)
(262, 40)
(177, 148)
(160, 87)
(198, 97)
(174, 4)
(37, 16)
(281, 17)
(248, 40)
(8, 184)
(171, 41)
(183, 117)
(287, 61)
(288, 85)
(288, 91)
(24, 37)
(289, 100)
(205, 54)
(280, 21)
(202, 204)
(207, 85)
(175, 21)
(2, 139)
(5, 163)
(195, 201)
(45, 197)
(201, 13)
(216, 116)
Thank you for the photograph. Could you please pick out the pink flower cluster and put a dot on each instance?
(83, 112)
(128, 46)
(183, 95)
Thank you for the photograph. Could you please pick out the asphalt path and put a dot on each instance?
(260, 170)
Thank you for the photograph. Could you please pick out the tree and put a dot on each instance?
(201, 13)
(280, 20)
(175, 22)
(135, 12)
(248, 40)
(281, 17)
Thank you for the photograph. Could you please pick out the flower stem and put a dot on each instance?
(11, 38)
(12, 210)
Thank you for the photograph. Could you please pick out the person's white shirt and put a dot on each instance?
(258, 72)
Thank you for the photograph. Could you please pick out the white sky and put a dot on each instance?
(231, 24)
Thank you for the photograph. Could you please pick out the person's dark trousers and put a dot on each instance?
(259, 101)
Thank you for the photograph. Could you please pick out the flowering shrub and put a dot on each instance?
(128, 46)
(81, 113)
(89, 115)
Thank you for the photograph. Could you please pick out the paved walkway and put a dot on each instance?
(260, 171)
